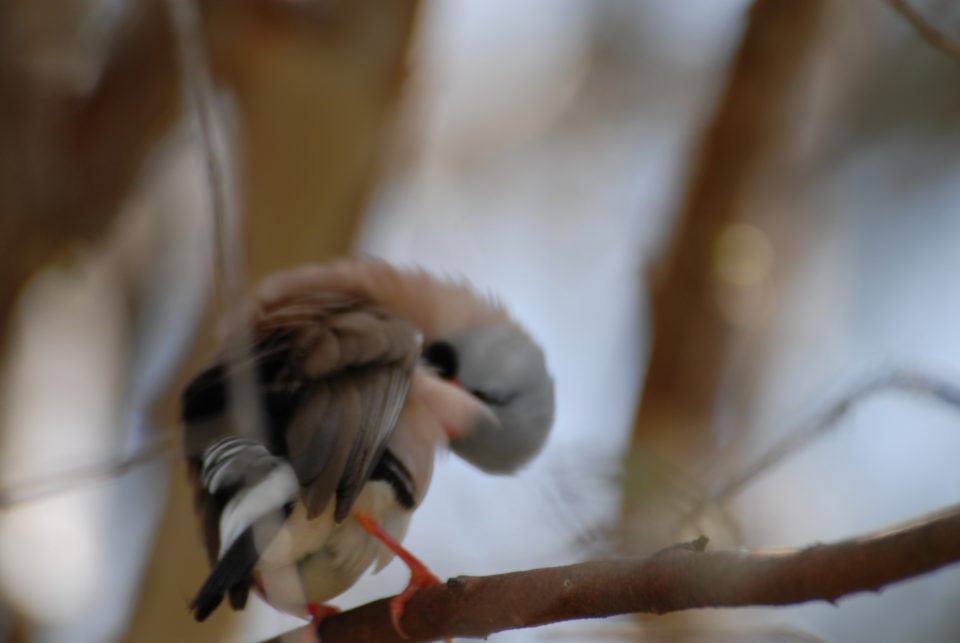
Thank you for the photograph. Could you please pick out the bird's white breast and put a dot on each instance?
(313, 561)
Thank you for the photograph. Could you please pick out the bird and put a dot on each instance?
(357, 374)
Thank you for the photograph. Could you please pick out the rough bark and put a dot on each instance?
(680, 577)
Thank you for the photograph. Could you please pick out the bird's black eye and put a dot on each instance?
(492, 398)
(442, 357)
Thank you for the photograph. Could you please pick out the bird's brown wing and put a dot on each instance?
(332, 374)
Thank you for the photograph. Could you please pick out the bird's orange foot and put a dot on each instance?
(420, 576)
(320, 611)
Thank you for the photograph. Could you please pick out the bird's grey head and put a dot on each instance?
(504, 369)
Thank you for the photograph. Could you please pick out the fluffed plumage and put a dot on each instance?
(353, 411)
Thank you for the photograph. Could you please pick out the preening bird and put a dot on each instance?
(360, 371)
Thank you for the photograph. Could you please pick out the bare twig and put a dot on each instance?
(933, 35)
(68, 479)
(230, 271)
(637, 631)
(226, 214)
(200, 94)
(677, 578)
(805, 434)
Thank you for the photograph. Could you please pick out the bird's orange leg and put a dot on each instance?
(420, 576)
(318, 612)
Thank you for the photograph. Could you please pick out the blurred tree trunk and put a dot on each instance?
(313, 83)
(713, 285)
(67, 159)
(314, 89)
(315, 86)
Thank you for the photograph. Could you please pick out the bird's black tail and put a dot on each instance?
(231, 574)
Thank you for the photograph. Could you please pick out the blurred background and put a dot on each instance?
(718, 216)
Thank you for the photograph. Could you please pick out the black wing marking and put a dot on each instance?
(393, 472)
(231, 574)
(332, 375)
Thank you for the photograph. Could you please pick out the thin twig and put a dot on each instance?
(229, 266)
(805, 434)
(246, 406)
(200, 94)
(67, 480)
(933, 35)
(677, 578)
(636, 631)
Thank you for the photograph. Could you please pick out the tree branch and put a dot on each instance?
(802, 436)
(677, 578)
(41, 487)
(933, 35)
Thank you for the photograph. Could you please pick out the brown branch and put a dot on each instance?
(677, 578)
(933, 35)
(746, 146)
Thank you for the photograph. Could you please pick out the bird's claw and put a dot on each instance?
(320, 611)
(420, 576)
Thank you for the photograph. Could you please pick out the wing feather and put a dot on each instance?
(333, 372)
